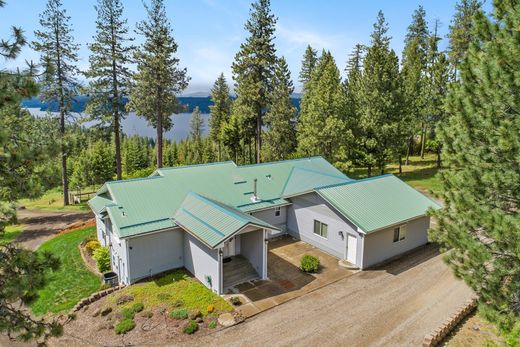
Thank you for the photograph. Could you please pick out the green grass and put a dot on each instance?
(11, 232)
(420, 174)
(72, 281)
(171, 290)
(52, 200)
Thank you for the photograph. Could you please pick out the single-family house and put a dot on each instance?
(201, 216)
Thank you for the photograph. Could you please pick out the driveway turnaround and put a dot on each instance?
(394, 305)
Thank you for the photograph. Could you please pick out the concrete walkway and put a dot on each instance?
(286, 280)
(395, 305)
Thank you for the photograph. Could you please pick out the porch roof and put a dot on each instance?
(211, 221)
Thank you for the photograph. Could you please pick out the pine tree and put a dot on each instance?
(280, 138)
(230, 135)
(308, 64)
(109, 71)
(480, 221)
(219, 111)
(196, 130)
(381, 100)
(437, 81)
(158, 78)
(413, 75)
(253, 69)
(10, 48)
(461, 32)
(352, 85)
(322, 127)
(59, 55)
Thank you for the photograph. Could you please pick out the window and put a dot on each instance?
(277, 211)
(399, 233)
(320, 228)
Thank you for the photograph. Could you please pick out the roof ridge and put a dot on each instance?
(355, 181)
(196, 165)
(280, 161)
(320, 173)
(217, 204)
(133, 179)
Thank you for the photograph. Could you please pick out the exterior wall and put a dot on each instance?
(277, 221)
(251, 247)
(118, 255)
(154, 253)
(300, 224)
(379, 245)
(202, 261)
(101, 230)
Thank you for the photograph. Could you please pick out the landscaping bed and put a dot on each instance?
(163, 310)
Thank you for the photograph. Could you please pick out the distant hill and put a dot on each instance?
(190, 102)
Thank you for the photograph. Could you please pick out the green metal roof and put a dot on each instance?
(211, 221)
(302, 179)
(142, 205)
(378, 202)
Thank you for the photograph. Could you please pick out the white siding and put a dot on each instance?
(119, 256)
(251, 246)
(101, 230)
(379, 245)
(300, 224)
(269, 216)
(202, 262)
(156, 252)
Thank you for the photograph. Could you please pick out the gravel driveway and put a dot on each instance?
(395, 305)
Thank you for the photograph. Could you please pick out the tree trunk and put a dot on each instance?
(423, 139)
(369, 171)
(382, 170)
(400, 164)
(251, 151)
(409, 151)
(439, 162)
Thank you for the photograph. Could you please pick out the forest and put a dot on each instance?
(461, 104)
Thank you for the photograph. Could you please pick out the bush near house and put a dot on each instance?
(91, 246)
(309, 263)
(102, 258)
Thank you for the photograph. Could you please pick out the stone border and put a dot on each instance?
(96, 296)
(436, 336)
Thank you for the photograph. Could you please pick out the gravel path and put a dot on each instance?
(392, 306)
(41, 225)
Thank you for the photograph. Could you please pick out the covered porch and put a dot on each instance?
(243, 257)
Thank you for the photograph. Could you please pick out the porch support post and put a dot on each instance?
(264, 258)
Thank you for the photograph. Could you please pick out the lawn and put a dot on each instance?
(420, 174)
(171, 290)
(52, 200)
(72, 281)
(11, 232)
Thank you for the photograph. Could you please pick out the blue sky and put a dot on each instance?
(209, 32)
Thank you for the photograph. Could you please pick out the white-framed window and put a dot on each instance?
(399, 233)
(277, 211)
(320, 228)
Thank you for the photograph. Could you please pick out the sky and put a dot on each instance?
(209, 32)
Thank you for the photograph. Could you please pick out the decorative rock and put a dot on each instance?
(194, 314)
(123, 299)
(106, 311)
(226, 319)
(96, 312)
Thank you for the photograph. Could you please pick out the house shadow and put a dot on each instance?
(408, 260)
(284, 277)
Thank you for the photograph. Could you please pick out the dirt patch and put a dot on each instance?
(473, 331)
(78, 225)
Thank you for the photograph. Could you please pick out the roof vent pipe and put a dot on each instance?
(255, 198)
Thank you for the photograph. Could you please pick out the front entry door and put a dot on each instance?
(351, 249)
(229, 248)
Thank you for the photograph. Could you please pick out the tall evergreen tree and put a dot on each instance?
(109, 71)
(219, 111)
(322, 127)
(158, 78)
(480, 222)
(59, 55)
(10, 48)
(253, 70)
(196, 130)
(280, 138)
(308, 64)
(413, 74)
(461, 32)
(381, 100)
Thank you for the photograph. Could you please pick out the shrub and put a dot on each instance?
(91, 246)
(190, 327)
(137, 307)
(180, 313)
(127, 313)
(212, 324)
(235, 300)
(124, 326)
(102, 258)
(309, 263)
